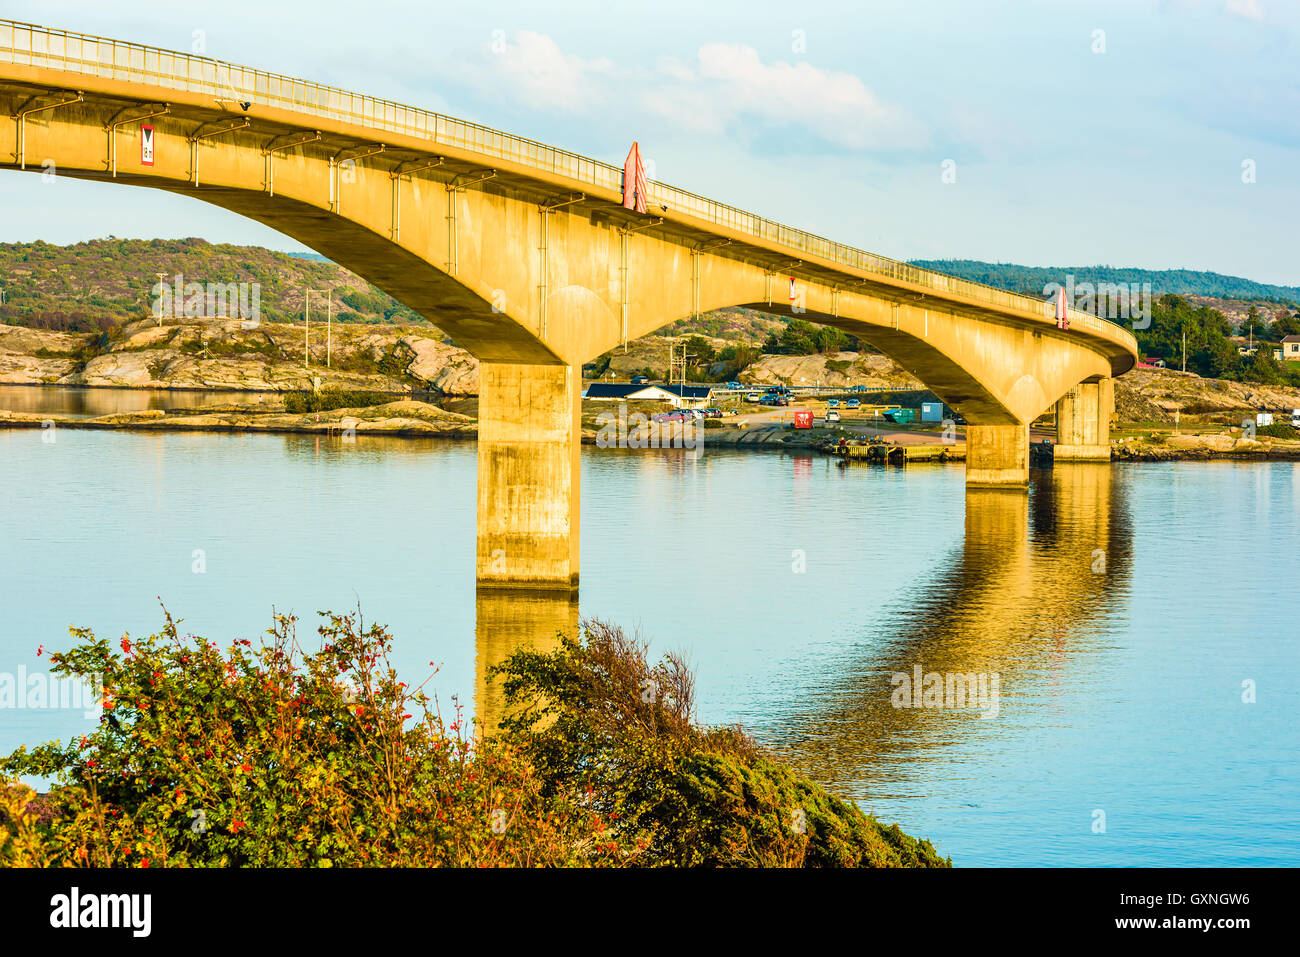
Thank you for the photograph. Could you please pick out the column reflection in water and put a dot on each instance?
(1028, 591)
(507, 620)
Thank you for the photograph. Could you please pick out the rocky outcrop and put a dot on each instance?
(1187, 447)
(35, 356)
(167, 369)
(232, 355)
(1187, 392)
(841, 369)
(442, 366)
(18, 369)
(404, 417)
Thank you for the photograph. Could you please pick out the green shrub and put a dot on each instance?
(271, 756)
(328, 399)
(1278, 430)
(598, 718)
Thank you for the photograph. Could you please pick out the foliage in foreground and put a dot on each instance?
(598, 718)
(276, 756)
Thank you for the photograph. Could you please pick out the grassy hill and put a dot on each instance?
(98, 285)
(1182, 282)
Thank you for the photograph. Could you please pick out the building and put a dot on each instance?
(678, 396)
(1291, 347)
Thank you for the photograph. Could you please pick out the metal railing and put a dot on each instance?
(28, 44)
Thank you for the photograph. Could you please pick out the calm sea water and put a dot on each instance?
(1120, 608)
(89, 402)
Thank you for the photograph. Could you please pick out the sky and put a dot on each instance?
(1148, 133)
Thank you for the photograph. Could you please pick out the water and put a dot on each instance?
(88, 403)
(1121, 608)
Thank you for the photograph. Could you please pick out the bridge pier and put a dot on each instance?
(528, 476)
(997, 456)
(1083, 422)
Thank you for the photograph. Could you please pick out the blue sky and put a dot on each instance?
(836, 117)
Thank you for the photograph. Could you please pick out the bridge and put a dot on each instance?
(526, 255)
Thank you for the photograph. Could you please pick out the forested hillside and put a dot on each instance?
(1182, 282)
(98, 285)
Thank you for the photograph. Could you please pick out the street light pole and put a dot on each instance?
(306, 329)
(329, 325)
(162, 276)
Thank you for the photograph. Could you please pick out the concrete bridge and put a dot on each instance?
(527, 257)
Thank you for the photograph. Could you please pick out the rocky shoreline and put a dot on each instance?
(405, 417)
(408, 418)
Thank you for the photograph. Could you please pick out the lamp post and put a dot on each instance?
(306, 328)
(329, 326)
(162, 276)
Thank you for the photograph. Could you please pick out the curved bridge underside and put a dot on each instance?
(534, 268)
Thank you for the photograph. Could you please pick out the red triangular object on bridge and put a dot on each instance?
(634, 181)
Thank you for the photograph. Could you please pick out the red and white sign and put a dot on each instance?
(803, 419)
(146, 144)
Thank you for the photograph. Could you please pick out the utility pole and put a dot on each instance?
(162, 276)
(329, 325)
(1184, 348)
(306, 328)
(676, 362)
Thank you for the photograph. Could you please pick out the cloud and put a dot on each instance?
(731, 89)
(1250, 9)
(727, 90)
(536, 69)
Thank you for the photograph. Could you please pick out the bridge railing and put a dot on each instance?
(28, 44)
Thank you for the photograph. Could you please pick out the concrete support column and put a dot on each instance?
(528, 471)
(1083, 422)
(997, 455)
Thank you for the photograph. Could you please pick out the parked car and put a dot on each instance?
(858, 388)
(853, 404)
(639, 380)
(832, 403)
(832, 416)
(713, 413)
(754, 397)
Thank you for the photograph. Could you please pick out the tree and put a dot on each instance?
(700, 350)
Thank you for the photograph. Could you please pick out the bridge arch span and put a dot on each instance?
(525, 255)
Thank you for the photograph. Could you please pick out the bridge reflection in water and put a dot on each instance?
(1026, 598)
(506, 622)
(1028, 591)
